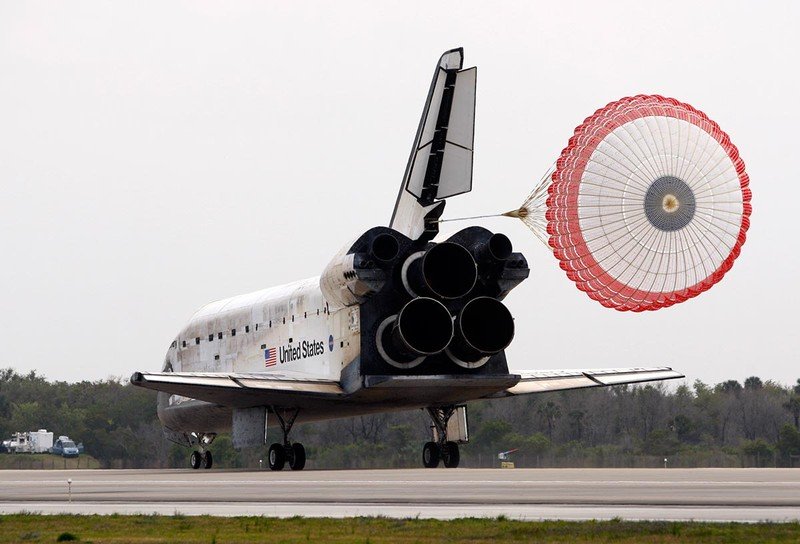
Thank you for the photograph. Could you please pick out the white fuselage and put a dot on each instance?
(290, 330)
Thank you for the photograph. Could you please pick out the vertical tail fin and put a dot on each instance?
(440, 165)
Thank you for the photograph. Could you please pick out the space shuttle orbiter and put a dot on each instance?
(396, 321)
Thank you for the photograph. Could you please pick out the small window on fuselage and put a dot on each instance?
(219, 335)
(197, 340)
(210, 337)
(184, 343)
(233, 332)
(247, 328)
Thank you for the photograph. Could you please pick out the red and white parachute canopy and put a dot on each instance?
(648, 205)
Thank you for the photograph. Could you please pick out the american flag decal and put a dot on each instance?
(270, 357)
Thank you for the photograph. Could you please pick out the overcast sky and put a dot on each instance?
(155, 156)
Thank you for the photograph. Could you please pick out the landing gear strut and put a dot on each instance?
(280, 454)
(440, 449)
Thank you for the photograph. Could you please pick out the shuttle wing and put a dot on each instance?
(543, 381)
(440, 165)
(243, 390)
(233, 389)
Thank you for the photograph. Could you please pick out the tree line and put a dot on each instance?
(732, 423)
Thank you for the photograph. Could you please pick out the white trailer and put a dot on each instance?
(41, 441)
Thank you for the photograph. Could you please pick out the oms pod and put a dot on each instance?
(423, 327)
(483, 327)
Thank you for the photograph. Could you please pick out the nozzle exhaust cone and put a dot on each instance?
(423, 327)
(499, 247)
(482, 328)
(384, 247)
(447, 270)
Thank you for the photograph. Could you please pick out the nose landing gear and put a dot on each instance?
(280, 454)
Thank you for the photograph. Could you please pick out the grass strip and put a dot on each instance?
(208, 529)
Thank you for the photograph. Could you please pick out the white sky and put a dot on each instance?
(155, 156)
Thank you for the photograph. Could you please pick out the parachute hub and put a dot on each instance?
(669, 203)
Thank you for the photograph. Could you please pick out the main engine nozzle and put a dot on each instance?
(446, 270)
(423, 327)
(482, 328)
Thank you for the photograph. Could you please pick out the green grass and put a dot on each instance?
(207, 529)
(45, 461)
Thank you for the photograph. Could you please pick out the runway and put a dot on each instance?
(569, 494)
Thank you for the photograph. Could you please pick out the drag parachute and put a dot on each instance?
(647, 206)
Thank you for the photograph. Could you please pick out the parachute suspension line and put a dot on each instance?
(471, 217)
(533, 210)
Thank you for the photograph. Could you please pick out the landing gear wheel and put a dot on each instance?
(207, 460)
(298, 460)
(431, 455)
(450, 455)
(276, 457)
(195, 460)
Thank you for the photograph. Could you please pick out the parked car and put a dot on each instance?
(65, 447)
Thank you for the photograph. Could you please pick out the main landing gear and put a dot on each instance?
(440, 448)
(202, 458)
(280, 454)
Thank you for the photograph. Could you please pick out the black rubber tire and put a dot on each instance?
(431, 455)
(208, 460)
(298, 460)
(276, 457)
(195, 460)
(450, 455)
